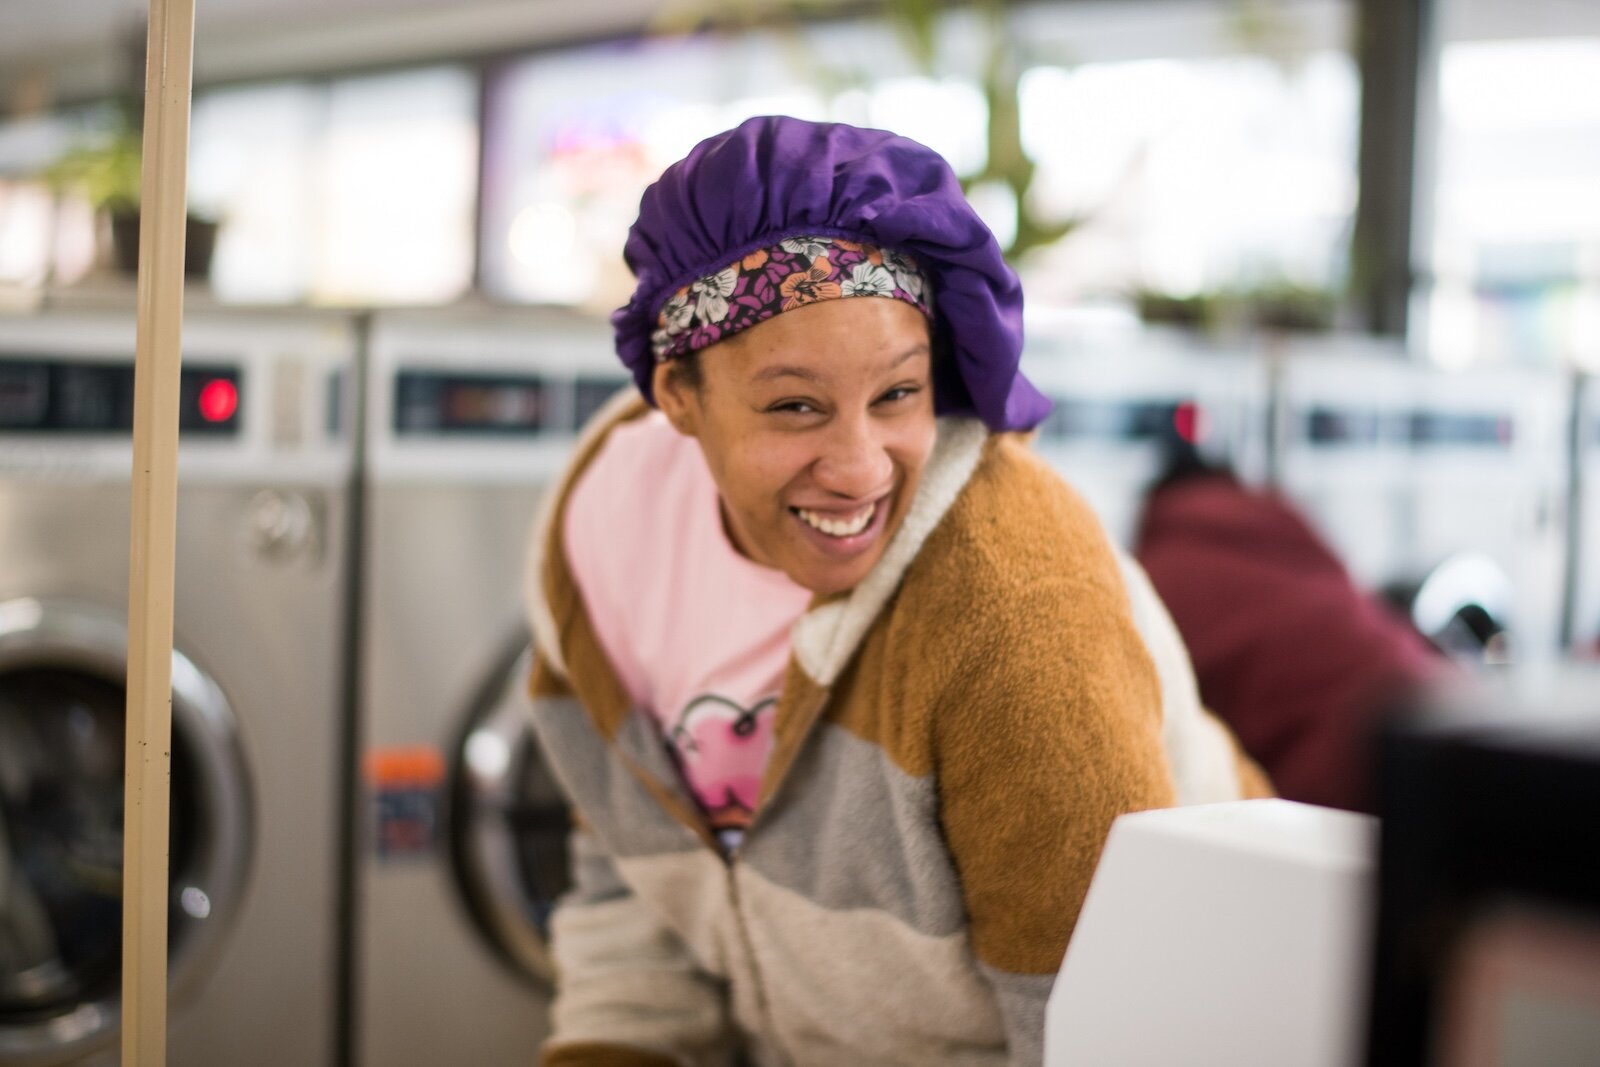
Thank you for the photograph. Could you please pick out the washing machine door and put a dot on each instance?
(62, 712)
(509, 822)
(1464, 606)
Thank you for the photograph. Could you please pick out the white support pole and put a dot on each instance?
(169, 67)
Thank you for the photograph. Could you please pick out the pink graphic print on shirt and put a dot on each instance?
(724, 749)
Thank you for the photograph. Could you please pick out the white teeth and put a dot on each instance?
(835, 528)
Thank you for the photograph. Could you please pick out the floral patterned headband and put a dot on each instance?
(792, 273)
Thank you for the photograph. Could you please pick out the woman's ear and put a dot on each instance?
(677, 399)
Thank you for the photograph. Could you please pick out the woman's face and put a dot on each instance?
(816, 425)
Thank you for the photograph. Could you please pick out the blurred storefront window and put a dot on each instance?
(1195, 175)
(25, 231)
(1193, 152)
(353, 191)
(572, 140)
(42, 238)
(1514, 251)
(574, 137)
(252, 165)
(1207, 148)
(1189, 148)
(399, 184)
(358, 191)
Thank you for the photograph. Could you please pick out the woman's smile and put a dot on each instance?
(844, 531)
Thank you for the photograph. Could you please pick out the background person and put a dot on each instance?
(1287, 649)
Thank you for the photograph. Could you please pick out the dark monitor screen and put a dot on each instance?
(1488, 931)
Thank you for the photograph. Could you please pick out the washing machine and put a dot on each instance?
(461, 833)
(1490, 468)
(265, 463)
(1121, 410)
(1342, 449)
(1582, 627)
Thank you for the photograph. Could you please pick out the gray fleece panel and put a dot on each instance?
(625, 818)
(862, 834)
(640, 740)
(1022, 999)
(594, 876)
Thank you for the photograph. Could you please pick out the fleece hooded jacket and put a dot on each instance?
(953, 740)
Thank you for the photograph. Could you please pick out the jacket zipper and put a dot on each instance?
(731, 857)
(763, 1008)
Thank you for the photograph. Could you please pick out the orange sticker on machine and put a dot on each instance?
(413, 766)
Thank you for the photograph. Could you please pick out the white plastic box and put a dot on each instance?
(1221, 934)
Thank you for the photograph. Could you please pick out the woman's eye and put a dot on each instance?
(795, 407)
(897, 393)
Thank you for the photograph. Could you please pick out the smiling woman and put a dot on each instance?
(845, 685)
(816, 426)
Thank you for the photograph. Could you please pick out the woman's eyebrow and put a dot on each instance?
(784, 370)
(920, 348)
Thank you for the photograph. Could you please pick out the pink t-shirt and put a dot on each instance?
(698, 634)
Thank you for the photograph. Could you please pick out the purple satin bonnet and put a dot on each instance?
(776, 178)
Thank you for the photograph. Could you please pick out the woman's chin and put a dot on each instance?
(827, 581)
(827, 576)
(836, 560)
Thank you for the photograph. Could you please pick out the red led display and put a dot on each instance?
(219, 399)
(1190, 422)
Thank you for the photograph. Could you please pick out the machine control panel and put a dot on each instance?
(1117, 420)
(1331, 427)
(1346, 426)
(493, 404)
(75, 397)
(261, 395)
(1473, 429)
(455, 402)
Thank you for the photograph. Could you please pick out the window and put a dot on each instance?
(397, 177)
(575, 137)
(1198, 156)
(1514, 249)
(43, 237)
(356, 191)
(251, 165)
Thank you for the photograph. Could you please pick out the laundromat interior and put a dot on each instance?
(1341, 257)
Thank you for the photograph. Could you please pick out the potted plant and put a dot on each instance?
(105, 169)
(1196, 311)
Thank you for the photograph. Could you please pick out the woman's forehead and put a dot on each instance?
(833, 339)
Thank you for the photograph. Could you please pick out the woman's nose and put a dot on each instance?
(855, 463)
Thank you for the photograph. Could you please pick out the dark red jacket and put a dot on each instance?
(1286, 649)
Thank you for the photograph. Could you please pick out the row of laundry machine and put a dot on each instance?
(365, 841)
(1448, 492)
(257, 685)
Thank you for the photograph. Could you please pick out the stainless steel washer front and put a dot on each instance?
(266, 461)
(62, 698)
(461, 839)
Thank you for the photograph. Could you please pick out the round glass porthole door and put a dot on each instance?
(509, 823)
(62, 715)
(1464, 606)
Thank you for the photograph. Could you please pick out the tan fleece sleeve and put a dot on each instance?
(1051, 728)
